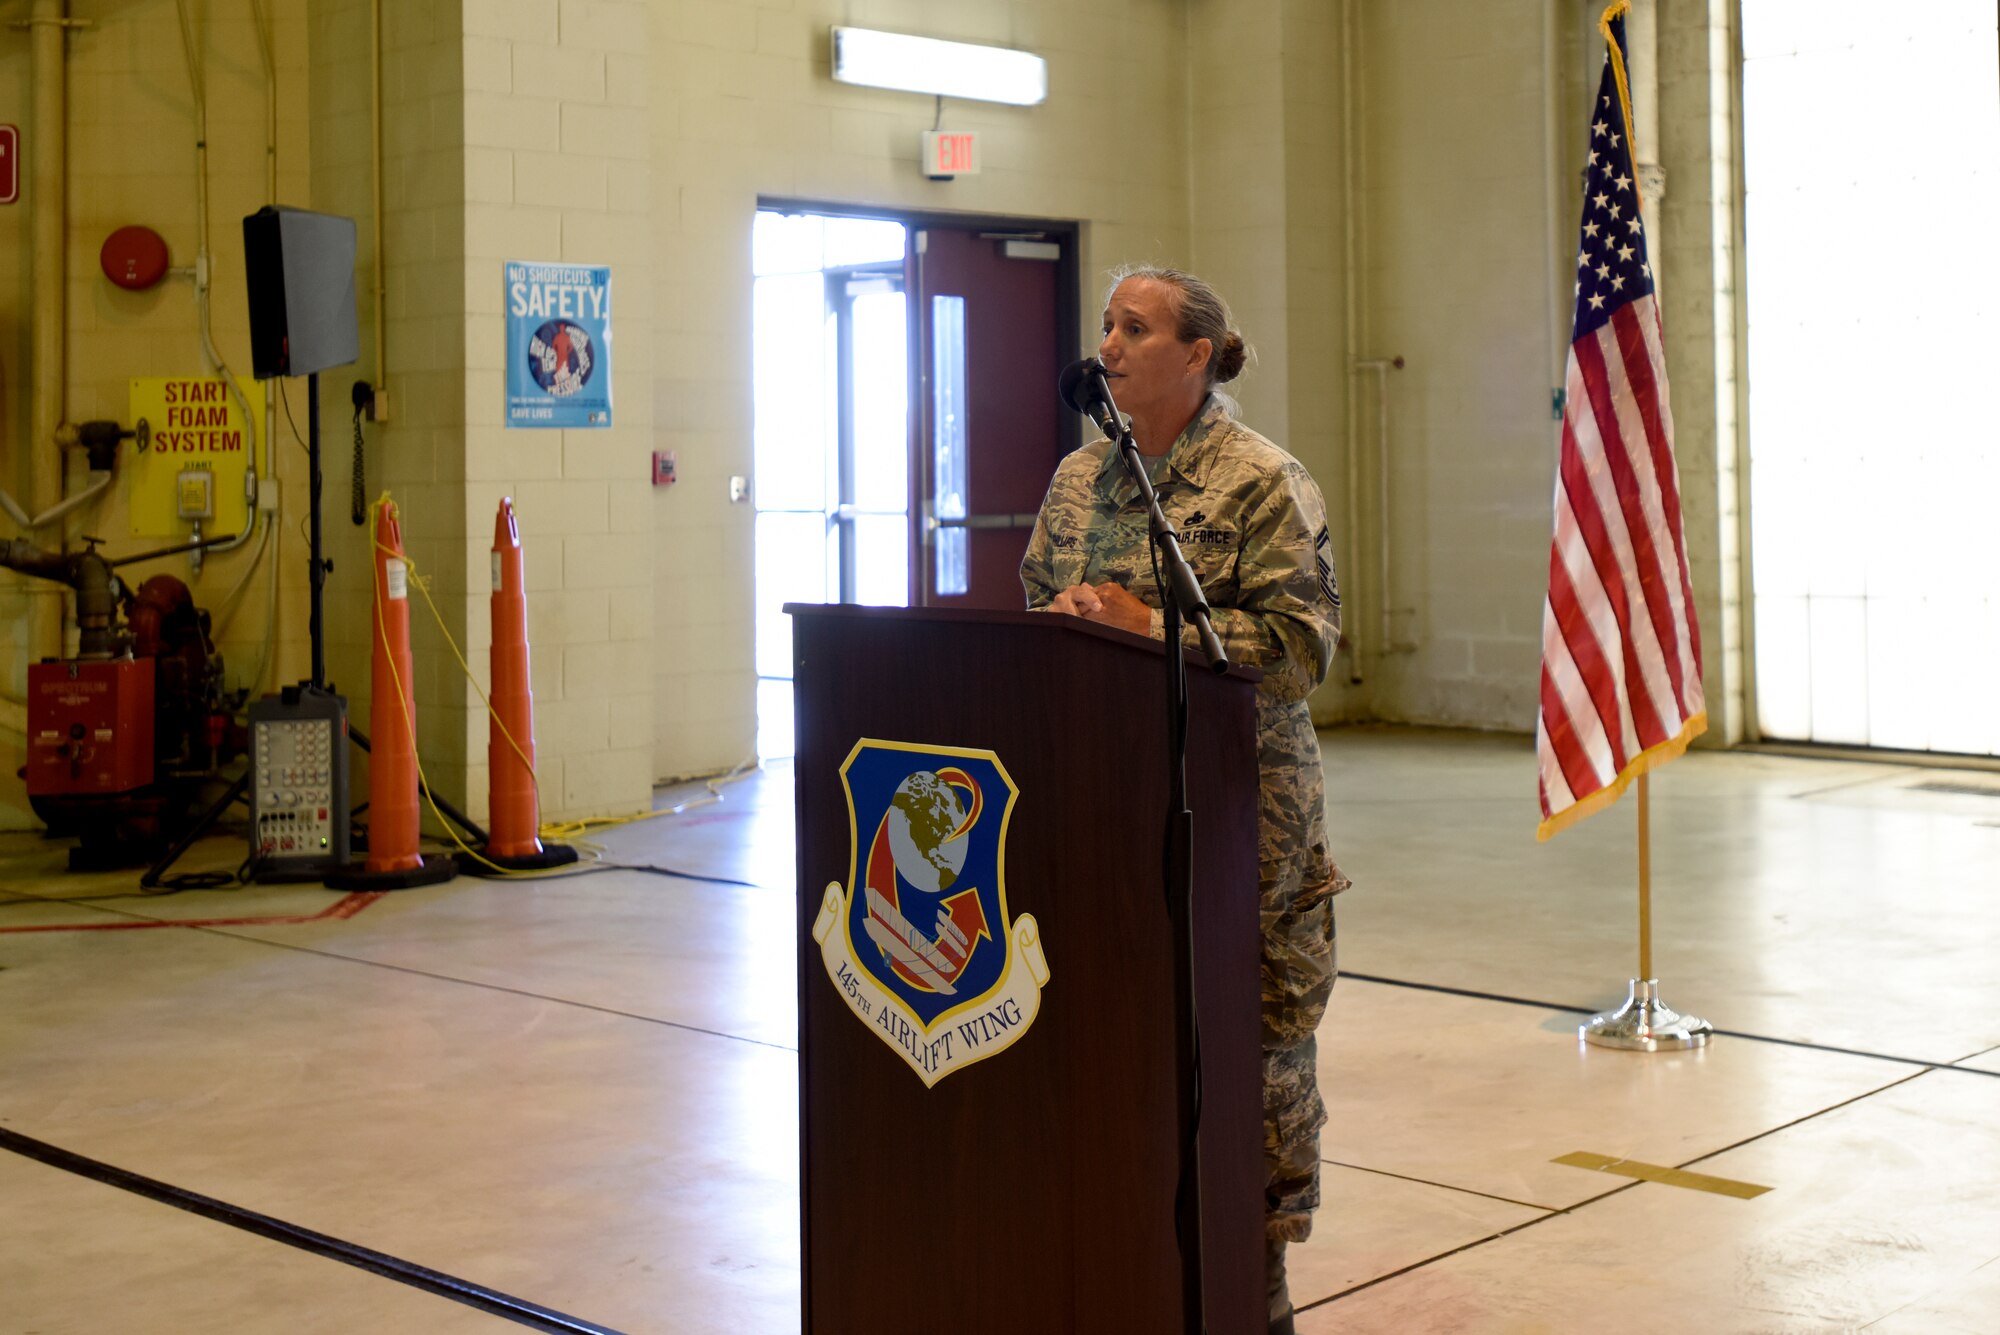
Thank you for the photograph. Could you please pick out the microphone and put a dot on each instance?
(1085, 390)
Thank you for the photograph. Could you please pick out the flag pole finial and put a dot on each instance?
(1616, 54)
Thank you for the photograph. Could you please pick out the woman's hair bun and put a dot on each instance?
(1229, 357)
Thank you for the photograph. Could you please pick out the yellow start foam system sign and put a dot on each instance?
(194, 427)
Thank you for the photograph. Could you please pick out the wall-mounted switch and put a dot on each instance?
(194, 494)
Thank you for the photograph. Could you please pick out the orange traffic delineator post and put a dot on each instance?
(393, 862)
(514, 815)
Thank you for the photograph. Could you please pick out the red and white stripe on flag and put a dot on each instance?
(1621, 654)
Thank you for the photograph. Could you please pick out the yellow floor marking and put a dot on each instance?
(1671, 1177)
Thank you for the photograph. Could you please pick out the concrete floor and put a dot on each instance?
(581, 1094)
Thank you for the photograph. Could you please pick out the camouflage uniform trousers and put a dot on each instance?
(1296, 883)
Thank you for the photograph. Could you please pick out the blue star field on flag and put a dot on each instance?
(1611, 263)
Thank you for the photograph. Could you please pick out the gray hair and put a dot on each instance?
(1199, 312)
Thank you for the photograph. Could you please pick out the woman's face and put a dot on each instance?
(1151, 370)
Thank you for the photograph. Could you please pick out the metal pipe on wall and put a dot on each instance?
(267, 53)
(100, 480)
(1553, 195)
(48, 24)
(1385, 611)
(1751, 729)
(267, 46)
(380, 410)
(1351, 301)
(1642, 37)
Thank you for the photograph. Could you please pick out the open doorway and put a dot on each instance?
(906, 423)
(1874, 458)
(830, 434)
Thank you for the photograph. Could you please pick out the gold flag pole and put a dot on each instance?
(1644, 1022)
(1645, 876)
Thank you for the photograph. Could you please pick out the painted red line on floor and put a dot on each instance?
(346, 907)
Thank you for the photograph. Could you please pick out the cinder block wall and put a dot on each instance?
(511, 132)
(1460, 272)
(558, 167)
(1266, 197)
(131, 129)
(418, 455)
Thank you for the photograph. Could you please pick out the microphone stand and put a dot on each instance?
(1182, 601)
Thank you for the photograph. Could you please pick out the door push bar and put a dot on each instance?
(932, 523)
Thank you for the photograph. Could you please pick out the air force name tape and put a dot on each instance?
(918, 942)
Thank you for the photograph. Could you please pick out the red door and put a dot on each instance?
(987, 430)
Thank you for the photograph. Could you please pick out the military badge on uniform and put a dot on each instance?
(919, 942)
(1323, 557)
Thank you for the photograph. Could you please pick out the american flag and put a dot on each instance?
(1621, 655)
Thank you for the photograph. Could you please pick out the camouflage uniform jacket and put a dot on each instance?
(1251, 523)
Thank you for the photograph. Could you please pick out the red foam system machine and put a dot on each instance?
(122, 735)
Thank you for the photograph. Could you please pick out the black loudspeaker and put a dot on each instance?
(300, 267)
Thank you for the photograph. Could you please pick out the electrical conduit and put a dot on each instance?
(48, 244)
(202, 265)
(1351, 210)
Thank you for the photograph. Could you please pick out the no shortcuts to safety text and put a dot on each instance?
(578, 299)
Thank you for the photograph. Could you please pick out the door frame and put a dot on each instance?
(1068, 331)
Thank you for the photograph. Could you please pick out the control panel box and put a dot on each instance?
(298, 782)
(90, 726)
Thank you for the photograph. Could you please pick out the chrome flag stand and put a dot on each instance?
(1645, 1023)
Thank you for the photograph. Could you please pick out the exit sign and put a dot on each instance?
(949, 153)
(10, 164)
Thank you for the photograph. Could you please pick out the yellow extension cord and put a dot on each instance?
(554, 831)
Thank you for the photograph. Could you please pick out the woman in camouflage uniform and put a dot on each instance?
(1251, 522)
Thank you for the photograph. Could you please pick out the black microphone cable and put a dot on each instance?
(363, 394)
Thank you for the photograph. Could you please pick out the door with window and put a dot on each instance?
(990, 336)
(906, 424)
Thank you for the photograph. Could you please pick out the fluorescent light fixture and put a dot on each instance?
(945, 69)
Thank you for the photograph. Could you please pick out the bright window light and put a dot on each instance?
(945, 69)
(1874, 456)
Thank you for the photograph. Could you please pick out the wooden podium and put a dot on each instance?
(1029, 1190)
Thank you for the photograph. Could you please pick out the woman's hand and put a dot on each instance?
(1108, 604)
(1117, 607)
(1078, 600)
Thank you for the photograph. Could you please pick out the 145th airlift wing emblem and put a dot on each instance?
(919, 942)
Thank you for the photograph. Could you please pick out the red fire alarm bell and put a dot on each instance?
(134, 257)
